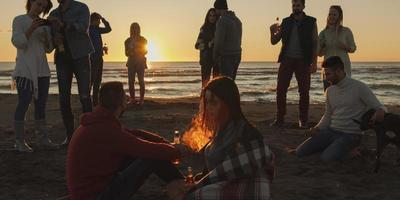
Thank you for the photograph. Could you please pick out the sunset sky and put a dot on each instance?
(171, 26)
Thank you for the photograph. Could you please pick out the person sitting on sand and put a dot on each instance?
(107, 161)
(346, 100)
(237, 156)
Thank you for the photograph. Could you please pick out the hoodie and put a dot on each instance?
(228, 36)
(99, 147)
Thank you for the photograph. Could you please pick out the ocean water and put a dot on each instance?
(256, 80)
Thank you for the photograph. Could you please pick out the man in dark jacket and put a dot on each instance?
(73, 47)
(107, 161)
(228, 40)
(299, 36)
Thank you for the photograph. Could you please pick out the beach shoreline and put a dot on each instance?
(41, 175)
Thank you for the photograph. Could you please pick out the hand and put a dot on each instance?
(177, 189)
(275, 29)
(55, 21)
(312, 132)
(35, 24)
(201, 46)
(378, 116)
(183, 149)
(313, 67)
(342, 45)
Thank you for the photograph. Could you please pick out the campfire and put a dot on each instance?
(197, 136)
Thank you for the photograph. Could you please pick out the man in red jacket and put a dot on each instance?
(107, 161)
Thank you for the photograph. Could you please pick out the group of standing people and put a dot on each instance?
(220, 43)
(75, 35)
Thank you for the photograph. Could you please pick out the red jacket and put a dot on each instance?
(98, 148)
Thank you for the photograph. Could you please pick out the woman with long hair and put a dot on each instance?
(135, 50)
(32, 39)
(336, 40)
(205, 43)
(233, 139)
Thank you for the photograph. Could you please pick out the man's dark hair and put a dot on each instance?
(302, 1)
(111, 95)
(334, 62)
(95, 16)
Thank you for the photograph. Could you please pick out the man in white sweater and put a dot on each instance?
(337, 134)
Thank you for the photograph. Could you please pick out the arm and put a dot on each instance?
(130, 145)
(276, 34)
(220, 34)
(199, 41)
(127, 47)
(19, 38)
(48, 44)
(145, 135)
(369, 98)
(315, 49)
(350, 42)
(321, 44)
(326, 118)
(107, 27)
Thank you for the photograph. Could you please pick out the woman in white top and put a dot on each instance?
(336, 40)
(31, 36)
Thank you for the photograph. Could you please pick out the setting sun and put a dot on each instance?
(154, 52)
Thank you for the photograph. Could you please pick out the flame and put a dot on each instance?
(197, 136)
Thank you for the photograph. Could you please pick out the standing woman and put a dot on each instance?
(205, 43)
(31, 36)
(336, 40)
(135, 50)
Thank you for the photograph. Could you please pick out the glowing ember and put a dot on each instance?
(197, 136)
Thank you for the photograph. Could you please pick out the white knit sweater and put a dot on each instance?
(31, 61)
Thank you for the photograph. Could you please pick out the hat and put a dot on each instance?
(221, 4)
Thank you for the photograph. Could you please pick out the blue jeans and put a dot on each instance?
(67, 67)
(228, 65)
(126, 182)
(333, 144)
(25, 97)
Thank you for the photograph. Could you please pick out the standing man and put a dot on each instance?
(228, 40)
(299, 36)
(71, 37)
(96, 58)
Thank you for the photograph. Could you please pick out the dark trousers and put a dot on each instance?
(132, 71)
(67, 67)
(96, 69)
(302, 73)
(126, 182)
(228, 65)
(25, 98)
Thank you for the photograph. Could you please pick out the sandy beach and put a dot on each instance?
(41, 175)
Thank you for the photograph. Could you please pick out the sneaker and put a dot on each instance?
(23, 147)
(46, 143)
(277, 123)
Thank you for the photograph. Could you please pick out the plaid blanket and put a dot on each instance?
(246, 173)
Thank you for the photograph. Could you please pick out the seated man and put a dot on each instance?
(107, 161)
(337, 134)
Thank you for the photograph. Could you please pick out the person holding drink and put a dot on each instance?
(236, 156)
(299, 36)
(108, 161)
(336, 40)
(32, 39)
